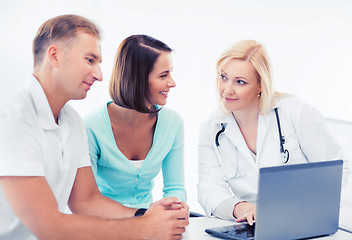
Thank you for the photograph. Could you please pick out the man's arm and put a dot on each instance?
(86, 198)
(34, 203)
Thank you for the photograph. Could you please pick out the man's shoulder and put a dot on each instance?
(19, 120)
(70, 112)
(19, 106)
(73, 118)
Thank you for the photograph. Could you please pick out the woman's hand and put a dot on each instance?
(171, 203)
(245, 211)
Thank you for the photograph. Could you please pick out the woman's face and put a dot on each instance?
(160, 80)
(238, 86)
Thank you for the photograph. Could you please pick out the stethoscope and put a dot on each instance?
(285, 154)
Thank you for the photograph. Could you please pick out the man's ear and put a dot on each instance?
(53, 55)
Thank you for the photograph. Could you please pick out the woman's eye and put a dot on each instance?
(223, 77)
(163, 76)
(241, 82)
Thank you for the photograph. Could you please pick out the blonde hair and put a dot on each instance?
(254, 52)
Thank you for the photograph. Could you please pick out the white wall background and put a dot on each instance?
(309, 42)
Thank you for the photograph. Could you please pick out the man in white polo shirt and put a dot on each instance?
(45, 163)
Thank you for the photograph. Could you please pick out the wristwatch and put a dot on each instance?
(140, 212)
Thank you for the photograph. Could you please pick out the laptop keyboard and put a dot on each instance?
(241, 231)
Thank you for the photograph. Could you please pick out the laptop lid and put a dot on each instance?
(298, 201)
(294, 201)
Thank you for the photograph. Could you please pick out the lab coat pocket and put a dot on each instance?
(296, 155)
(234, 175)
(228, 170)
(244, 187)
(230, 165)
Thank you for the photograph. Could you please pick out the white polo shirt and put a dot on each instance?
(32, 144)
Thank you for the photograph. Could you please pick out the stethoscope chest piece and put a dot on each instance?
(285, 156)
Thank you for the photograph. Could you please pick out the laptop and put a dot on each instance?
(294, 202)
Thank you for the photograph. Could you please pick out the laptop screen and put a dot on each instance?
(298, 201)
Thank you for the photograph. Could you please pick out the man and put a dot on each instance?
(45, 162)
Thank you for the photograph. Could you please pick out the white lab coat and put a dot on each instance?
(307, 139)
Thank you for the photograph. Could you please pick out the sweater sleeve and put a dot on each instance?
(94, 150)
(173, 166)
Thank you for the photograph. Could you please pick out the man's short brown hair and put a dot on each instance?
(63, 28)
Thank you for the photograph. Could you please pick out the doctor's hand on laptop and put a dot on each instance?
(245, 211)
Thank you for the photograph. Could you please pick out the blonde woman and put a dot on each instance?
(243, 135)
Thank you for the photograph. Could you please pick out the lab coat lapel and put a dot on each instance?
(233, 132)
(262, 131)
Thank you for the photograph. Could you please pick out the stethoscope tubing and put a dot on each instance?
(218, 135)
(282, 140)
(284, 152)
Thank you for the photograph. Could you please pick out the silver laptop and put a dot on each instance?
(294, 201)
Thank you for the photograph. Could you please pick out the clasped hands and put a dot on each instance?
(171, 203)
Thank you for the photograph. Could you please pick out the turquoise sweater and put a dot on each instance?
(118, 179)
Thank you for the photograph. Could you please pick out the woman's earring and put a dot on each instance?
(259, 94)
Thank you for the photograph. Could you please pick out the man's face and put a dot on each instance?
(79, 66)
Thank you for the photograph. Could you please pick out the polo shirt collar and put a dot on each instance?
(44, 113)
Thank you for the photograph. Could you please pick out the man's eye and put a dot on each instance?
(90, 60)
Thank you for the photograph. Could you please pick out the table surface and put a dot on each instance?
(197, 226)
